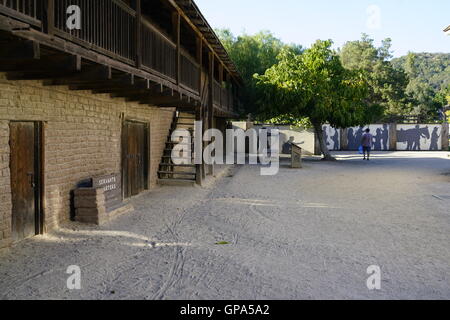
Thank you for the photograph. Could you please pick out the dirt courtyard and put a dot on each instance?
(302, 234)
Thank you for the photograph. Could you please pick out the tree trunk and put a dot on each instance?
(322, 143)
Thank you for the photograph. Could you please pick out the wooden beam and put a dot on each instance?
(45, 64)
(200, 62)
(20, 50)
(95, 73)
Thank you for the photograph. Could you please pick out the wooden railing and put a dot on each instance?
(158, 51)
(107, 26)
(110, 27)
(29, 11)
(190, 72)
(217, 88)
(223, 97)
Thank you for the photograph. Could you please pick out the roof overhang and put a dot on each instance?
(447, 30)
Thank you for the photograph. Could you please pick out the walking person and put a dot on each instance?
(366, 142)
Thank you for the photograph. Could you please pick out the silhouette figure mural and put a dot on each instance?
(332, 137)
(419, 137)
(380, 137)
(435, 137)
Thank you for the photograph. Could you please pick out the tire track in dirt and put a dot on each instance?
(177, 266)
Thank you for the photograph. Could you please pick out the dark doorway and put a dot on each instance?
(26, 179)
(134, 158)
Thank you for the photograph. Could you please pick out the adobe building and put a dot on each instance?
(93, 98)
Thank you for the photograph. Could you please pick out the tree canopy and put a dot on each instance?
(416, 84)
(315, 84)
(387, 84)
(253, 54)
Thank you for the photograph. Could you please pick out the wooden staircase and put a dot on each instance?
(178, 174)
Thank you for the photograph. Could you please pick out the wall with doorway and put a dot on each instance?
(82, 139)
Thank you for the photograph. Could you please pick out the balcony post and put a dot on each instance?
(211, 100)
(138, 34)
(221, 84)
(50, 14)
(176, 22)
(200, 63)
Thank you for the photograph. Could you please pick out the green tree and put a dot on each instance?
(253, 54)
(315, 85)
(387, 84)
(429, 75)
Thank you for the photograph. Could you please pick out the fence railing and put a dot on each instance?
(29, 11)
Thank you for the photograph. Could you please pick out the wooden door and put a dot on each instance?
(25, 177)
(134, 158)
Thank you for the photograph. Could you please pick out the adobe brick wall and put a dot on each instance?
(5, 194)
(82, 139)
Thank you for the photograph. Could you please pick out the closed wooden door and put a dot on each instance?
(24, 143)
(134, 158)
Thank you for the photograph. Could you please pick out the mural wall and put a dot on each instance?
(380, 134)
(407, 137)
(300, 136)
(419, 137)
(332, 137)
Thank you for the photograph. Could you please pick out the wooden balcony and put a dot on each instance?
(223, 98)
(115, 42)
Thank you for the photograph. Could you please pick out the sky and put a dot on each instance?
(413, 25)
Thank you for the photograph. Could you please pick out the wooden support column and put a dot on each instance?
(344, 139)
(221, 84)
(228, 96)
(200, 62)
(392, 137)
(211, 100)
(138, 34)
(176, 23)
(199, 168)
(50, 16)
(444, 135)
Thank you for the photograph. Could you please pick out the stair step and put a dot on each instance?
(170, 142)
(171, 149)
(170, 157)
(178, 173)
(177, 165)
(176, 182)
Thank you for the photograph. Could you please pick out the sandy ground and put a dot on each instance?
(303, 234)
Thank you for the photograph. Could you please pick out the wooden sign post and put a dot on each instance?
(296, 159)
